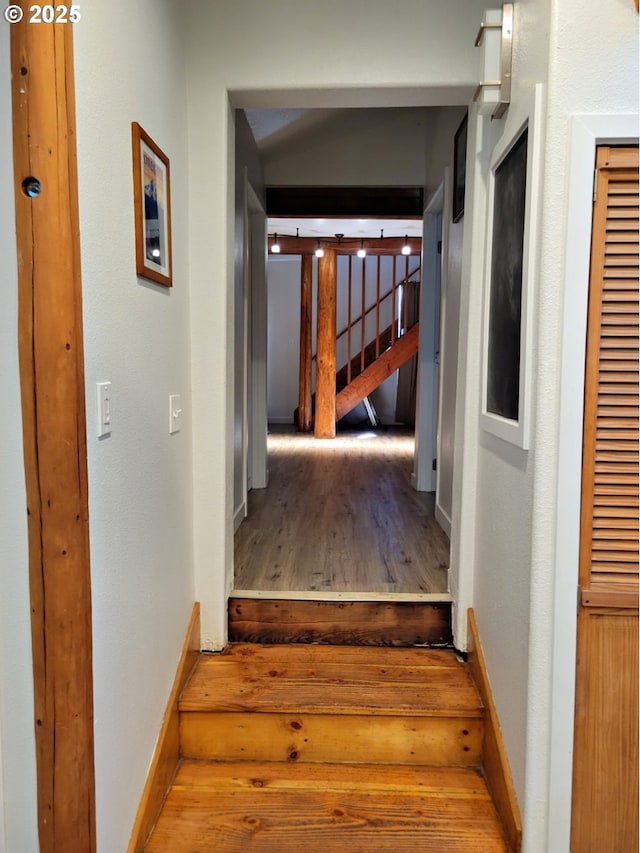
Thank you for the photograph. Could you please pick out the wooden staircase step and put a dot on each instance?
(382, 623)
(332, 704)
(268, 807)
(251, 677)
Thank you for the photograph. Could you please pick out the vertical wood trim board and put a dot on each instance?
(53, 412)
(325, 420)
(495, 764)
(167, 752)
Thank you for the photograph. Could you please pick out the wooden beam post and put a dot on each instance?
(325, 420)
(53, 414)
(304, 383)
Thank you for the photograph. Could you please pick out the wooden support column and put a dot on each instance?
(325, 421)
(304, 384)
(53, 413)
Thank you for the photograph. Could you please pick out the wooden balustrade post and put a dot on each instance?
(378, 307)
(304, 381)
(349, 320)
(325, 420)
(394, 292)
(363, 272)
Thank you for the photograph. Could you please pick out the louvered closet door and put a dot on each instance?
(605, 777)
(609, 537)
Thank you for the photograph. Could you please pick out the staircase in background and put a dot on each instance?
(399, 353)
(387, 350)
(330, 749)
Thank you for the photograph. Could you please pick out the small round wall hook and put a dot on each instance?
(31, 187)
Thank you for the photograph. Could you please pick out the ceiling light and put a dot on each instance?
(362, 252)
(319, 251)
(275, 246)
(406, 249)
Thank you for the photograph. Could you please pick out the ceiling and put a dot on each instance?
(271, 126)
(329, 227)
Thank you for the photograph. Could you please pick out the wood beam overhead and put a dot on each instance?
(347, 245)
(54, 439)
(346, 202)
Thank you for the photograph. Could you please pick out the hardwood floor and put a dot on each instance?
(341, 516)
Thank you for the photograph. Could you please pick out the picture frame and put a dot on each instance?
(459, 168)
(512, 226)
(152, 208)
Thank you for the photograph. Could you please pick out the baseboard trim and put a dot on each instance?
(495, 764)
(167, 752)
(239, 516)
(443, 519)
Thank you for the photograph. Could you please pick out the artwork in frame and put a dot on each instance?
(513, 199)
(459, 168)
(152, 208)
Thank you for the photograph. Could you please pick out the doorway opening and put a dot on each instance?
(344, 517)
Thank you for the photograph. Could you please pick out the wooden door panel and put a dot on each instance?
(605, 780)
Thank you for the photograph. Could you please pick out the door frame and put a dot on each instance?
(586, 133)
(424, 477)
(256, 284)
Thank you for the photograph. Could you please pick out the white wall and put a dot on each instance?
(283, 338)
(505, 498)
(374, 147)
(130, 66)
(594, 68)
(18, 798)
(451, 288)
(341, 58)
(248, 173)
(493, 480)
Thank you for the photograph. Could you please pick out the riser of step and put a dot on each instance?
(287, 808)
(351, 738)
(368, 623)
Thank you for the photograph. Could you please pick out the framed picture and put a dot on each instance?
(459, 169)
(152, 208)
(511, 244)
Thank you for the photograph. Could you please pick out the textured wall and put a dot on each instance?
(137, 337)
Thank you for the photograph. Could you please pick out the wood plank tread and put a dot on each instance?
(332, 680)
(267, 807)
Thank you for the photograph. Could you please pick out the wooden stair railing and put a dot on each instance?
(378, 347)
(375, 306)
(375, 374)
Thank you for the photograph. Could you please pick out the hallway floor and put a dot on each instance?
(341, 516)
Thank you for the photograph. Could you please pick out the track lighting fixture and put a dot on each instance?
(337, 241)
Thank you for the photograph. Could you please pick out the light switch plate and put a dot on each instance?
(175, 413)
(103, 400)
